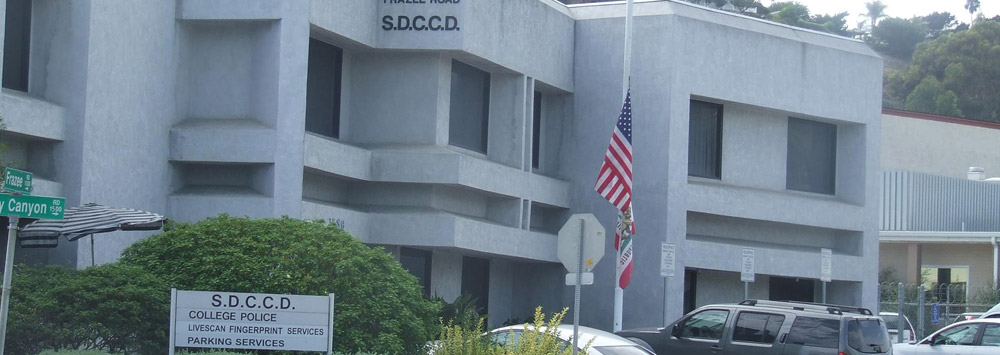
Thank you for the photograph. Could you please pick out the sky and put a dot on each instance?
(897, 8)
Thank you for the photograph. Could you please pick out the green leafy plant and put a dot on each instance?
(379, 305)
(538, 338)
(116, 308)
(464, 311)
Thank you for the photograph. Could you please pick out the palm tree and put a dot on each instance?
(876, 10)
(972, 6)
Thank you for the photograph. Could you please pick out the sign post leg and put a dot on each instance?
(824, 291)
(576, 293)
(746, 290)
(8, 271)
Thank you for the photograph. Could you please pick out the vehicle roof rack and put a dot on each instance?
(809, 306)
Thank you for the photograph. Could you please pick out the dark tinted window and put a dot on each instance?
(705, 324)
(757, 327)
(705, 140)
(823, 333)
(867, 336)
(470, 104)
(991, 336)
(418, 263)
(17, 29)
(964, 334)
(323, 89)
(812, 156)
(536, 129)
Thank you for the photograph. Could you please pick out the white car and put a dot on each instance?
(971, 337)
(604, 343)
(892, 325)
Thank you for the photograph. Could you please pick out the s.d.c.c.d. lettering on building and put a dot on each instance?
(420, 15)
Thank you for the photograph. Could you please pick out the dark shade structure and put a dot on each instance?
(85, 220)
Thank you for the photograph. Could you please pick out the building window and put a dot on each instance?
(470, 105)
(705, 140)
(16, 43)
(476, 281)
(812, 156)
(418, 263)
(323, 89)
(536, 129)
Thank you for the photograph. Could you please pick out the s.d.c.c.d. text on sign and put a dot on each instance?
(230, 320)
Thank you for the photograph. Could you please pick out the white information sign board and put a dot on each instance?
(747, 273)
(232, 320)
(826, 266)
(668, 251)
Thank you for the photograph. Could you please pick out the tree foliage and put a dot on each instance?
(939, 22)
(876, 11)
(929, 96)
(379, 305)
(966, 63)
(899, 37)
(117, 308)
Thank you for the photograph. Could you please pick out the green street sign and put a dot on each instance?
(40, 207)
(17, 181)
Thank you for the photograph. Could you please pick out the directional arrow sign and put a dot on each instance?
(32, 206)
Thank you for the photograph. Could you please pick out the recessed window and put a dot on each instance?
(812, 156)
(536, 129)
(16, 44)
(418, 263)
(323, 89)
(705, 140)
(470, 104)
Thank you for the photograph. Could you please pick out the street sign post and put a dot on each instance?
(17, 181)
(581, 238)
(748, 272)
(668, 268)
(826, 269)
(14, 207)
(40, 207)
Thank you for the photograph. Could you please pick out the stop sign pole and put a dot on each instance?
(580, 238)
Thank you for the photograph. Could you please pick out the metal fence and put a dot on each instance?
(932, 307)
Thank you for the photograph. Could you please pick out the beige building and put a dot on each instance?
(939, 218)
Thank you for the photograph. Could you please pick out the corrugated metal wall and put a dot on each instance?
(923, 202)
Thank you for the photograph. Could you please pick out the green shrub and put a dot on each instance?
(538, 338)
(73, 352)
(379, 305)
(112, 307)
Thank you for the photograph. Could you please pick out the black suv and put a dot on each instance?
(755, 327)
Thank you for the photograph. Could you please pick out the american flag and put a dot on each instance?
(614, 183)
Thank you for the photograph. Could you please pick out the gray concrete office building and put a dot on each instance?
(460, 135)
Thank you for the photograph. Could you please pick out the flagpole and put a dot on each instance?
(619, 292)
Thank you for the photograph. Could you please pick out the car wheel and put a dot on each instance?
(642, 343)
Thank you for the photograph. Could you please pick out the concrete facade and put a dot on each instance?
(192, 108)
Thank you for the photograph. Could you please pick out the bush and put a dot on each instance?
(379, 305)
(538, 338)
(117, 308)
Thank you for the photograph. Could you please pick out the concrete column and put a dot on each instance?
(913, 263)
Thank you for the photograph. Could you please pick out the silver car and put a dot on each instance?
(971, 337)
(604, 343)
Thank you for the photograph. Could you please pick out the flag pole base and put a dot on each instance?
(619, 298)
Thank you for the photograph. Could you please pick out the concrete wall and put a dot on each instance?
(762, 73)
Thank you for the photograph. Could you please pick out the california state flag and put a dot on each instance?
(623, 244)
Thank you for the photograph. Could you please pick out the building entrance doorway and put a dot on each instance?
(791, 289)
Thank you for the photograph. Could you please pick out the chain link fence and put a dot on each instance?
(931, 307)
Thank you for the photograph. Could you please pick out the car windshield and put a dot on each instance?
(867, 336)
(621, 350)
